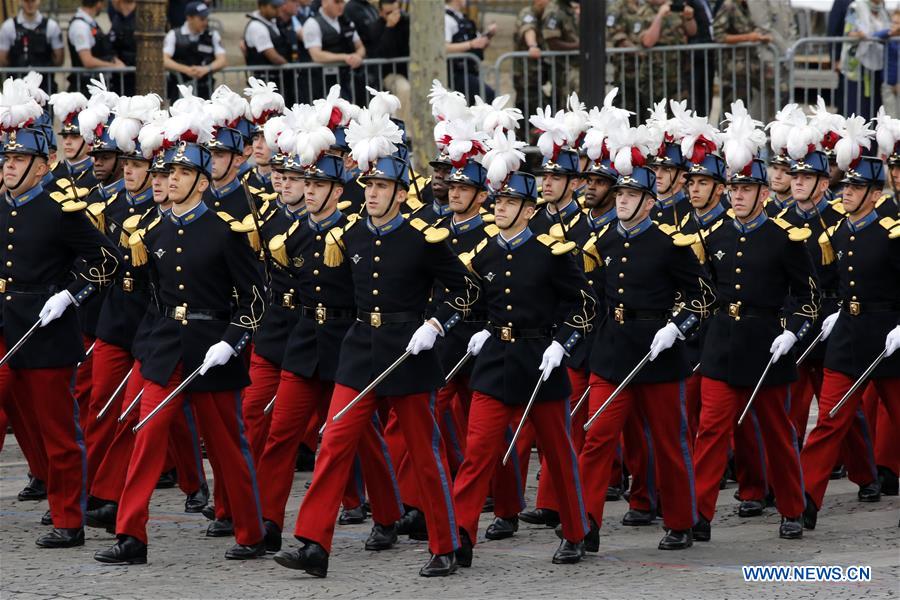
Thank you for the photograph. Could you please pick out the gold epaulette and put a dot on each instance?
(236, 226)
(278, 245)
(487, 217)
(557, 231)
(491, 230)
(730, 212)
(95, 212)
(881, 200)
(795, 234)
(684, 220)
(715, 225)
(467, 257)
(892, 225)
(344, 205)
(591, 257)
(248, 226)
(334, 243)
(557, 248)
(837, 205)
(828, 255)
(414, 203)
(666, 228)
(67, 203)
(71, 189)
(136, 244)
(433, 235)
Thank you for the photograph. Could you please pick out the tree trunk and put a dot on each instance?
(149, 34)
(426, 45)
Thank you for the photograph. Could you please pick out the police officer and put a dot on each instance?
(122, 28)
(560, 177)
(31, 39)
(528, 38)
(210, 301)
(866, 250)
(89, 46)
(192, 53)
(462, 36)
(262, 42)
(331, 37)
(44, 242)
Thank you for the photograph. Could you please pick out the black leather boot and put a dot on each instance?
(62, 538)
(126, 551)
(311, 557)
(352, 516)
(810, 514)
(103, 517)
(382, 537)
(637, 518)
(488, 506)
(613, 493)
(540, 516)
(273, 536)
(439, 565)
(167, 480)
(220, 528)
(412, 523)
(871, 492)
(791, 528)
(568, 553)
(464, 552)
(751, 508)
(502, 528)
(196, 501)
(890, 484)
(47, 518)
(209, 511)
(34, 490)
(677, 540)
(241, 552)
(702, 531)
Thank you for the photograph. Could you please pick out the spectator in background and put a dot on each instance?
(862, 63)
(392, 32)
(837, 17)
(363, 15)
(263, 43)
(121, 34)
(890, 91)
(31, 39)
(290, 83)
(703, 74)
(462, 36)
(734, 25)
(529, 72)
(304, 11)
(559, 29)
(330, 37)
(89, 46)
(192, 53)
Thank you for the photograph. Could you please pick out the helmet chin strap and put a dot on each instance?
(862, 201)
(516, 218)
(25, 174)
(391, 203)
(475, 192)
(711, 197)
(637, 208)
(193, 186)
(228, 168)
(671, 185)
(327, 198)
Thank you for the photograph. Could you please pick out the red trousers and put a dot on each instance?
(219, 417)
(637, 451)
(46, 395)
(722, 405)
(112, 364)
(692, 395)
(508, 481)
(415, 415)
(299, 401)
(450, 420)
(265, 378)
(27, 431)
(808, 384)
(750, 461)
(824, 443)
(887, 442)
(663, 407)
(488, 420)
(82, 382)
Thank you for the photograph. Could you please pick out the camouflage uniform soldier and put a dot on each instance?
(528, 37)
(645, 78)
(734, 24)
(559, 28)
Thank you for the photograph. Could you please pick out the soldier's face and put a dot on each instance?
(857, 197)
(73, 146)
(463, 197)
(700, 190)
(746, 199)
(160, 184)
(225, 163)
(667, 179)
(780, 179)
(322, 195)
(596, 190)
(378, 197)
(632, 205)
(185, 183)
(261, 151)
(277, 179)
(895, 178)
(135, 174)
(507, 213)
(104, 165)
(439, 182)
(293, 187)
(556, 188)
(21, 172)
(808, 188)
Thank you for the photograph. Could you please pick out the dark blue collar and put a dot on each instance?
(388, 227)
(76, 169)
(263, 178)
(141, 198)
(636, 230)
(295, 215)
(226, 189)
(163, 213)
(709, 217)
(565, 212)
(752, 225)
(23, 199)
(48, 179)
(327, 223)
(817, 210)
(106, 191)
(782, 205)
(467, 225)
(517, 240)
(598, 222)
(441, 210)
(190, 216)
(862, 223)
(671, 200)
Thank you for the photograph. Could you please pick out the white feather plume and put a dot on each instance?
(151, 136)
(629, 146)
(101, 101)
(190, 126)
(17, 107)
(131, 113)
(330, 110)
(742, 138)
(553, 134)
(780, 128)
(371, 137)
(856, 135)
(264, 99)
(68, 103)
(695, 130)
(496, 115)
(465, 141)
(575, 120)
(801, 140)
(383, 103)
(227, 107)
(827, 123)
(33, 80)
(312, 136)
(504, 156)
(446, 104)
(887, 133)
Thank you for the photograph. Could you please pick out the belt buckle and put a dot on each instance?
(181, 313)
(128, 284)
(287, 300)
(375, 319)
(734, 310)
(506, 334)
(321, 314)
(854, 308)
(619, 314)
(2, 286)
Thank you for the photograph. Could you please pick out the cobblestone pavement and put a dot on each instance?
(185, 564)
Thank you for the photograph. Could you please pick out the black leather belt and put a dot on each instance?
(321, 314)
(511, 334)
(736, 311)
(855, 308)
(377, 319)
(130, 284)
(183, 313)
(621, 314)
(29, 288)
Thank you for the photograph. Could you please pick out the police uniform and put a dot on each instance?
(763, 274)
(122, 31)
(255, 56)
(525, 70)
(45, 239)
(32, 43)
(465, 74)
(209, 292)
(101, 47)
(867, 254)
(339, 36)
(192, 50)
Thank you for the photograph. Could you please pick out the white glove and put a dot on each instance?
(828, 325)
(782, 344)
(664, 339)
(55, 306)
(892, 342)
(423, 338)
(217, 355)
(552, 358)
(476, 342)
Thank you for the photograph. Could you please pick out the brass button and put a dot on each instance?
(374, 292)
(316, 255)
(743, 239)
(9, 263)
(806, 225)
(850, 268)
(624, 259)
(318, 289)
(377, 242)
(375, 275)
(508, 307)
(850, 253)
(852, 238)
(507, 291)
(737, 286)
(740, 254)
(11, 229)
(180, 286)
(621, 291)
(454, 241)
(316, 272)
(852, 283)
(10, 247)
(628, 244)
(217, 204)
(181, 232)
(508, 274)
(318, 238)
(853, 298)
(737, 270)
(13, 213)
(621, 275)
(9, 298)
(590, 282)
(377, 259)
(178, 250)
(178, 268)
(509, 257)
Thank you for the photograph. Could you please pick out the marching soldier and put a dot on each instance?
(209, 294)
(560, 177)
(866, 250)
(388, 252)
(45, 239)
(780, 178)
(226, 192)
(669, 167)
(77, 167)
(435, 195)
(259, 177)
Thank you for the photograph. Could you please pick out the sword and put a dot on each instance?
(696, 368)
(856, 385)
(87, 354)
(809, 348)
(269, 406)
(458, 367)
(372, 385)
(618, 390)
(115, 395)
(20, 343)
(169, 398)
(131, 406)
(581, 400)
(512, 443)
(756, 389)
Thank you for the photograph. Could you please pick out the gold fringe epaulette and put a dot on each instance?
(248, 226)
(837, 205)
(467, 257)
(557, 248)
(795, 234)
(892, 225)
(278, 245)
(344, 205)
(67, 203)
(827, 249)
(136, 244)
(95, 212)
(235, 225)
(491, 230)
(433, 235)
(334, 243)
(559, 233)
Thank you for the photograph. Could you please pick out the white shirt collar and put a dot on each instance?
(333, 22)
(85, 16)
(20, 18)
